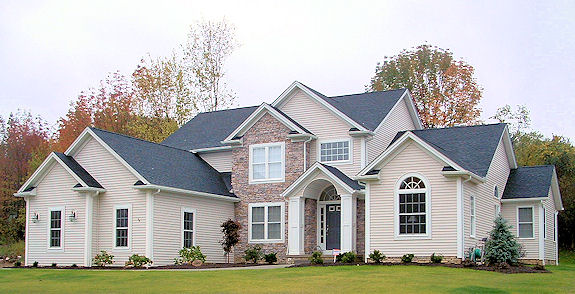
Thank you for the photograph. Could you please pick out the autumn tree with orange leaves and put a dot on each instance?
(444, 90)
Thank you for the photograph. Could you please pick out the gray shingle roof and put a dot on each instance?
(347, 180)
(471, 147)
(166, 166)
(529, 182)
(208, 129)
(78, 170)
(368, 109)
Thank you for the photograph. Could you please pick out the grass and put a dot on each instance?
(404, 279)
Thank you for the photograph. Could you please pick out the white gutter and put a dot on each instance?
(211, 149)
(89, 189)
(464, 173)
(524, 199)
(305, 153)
(186, 192)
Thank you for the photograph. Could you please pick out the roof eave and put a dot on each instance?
(89, 189)
(462, 173)
(159, 189)
(530, 199)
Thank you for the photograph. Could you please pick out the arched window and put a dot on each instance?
(412, 207)
(329, 194)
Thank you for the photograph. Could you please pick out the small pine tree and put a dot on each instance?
(502, 247)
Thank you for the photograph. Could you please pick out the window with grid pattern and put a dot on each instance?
(188, 231)
(413, 216)
(334, 151)
(122, 223)
(55, 228)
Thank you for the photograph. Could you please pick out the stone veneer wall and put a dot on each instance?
(310, 229)
(360, 227)
(266, 130)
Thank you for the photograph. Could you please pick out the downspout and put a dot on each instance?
(462, 215)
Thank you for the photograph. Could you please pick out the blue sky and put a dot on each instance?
(523, 51)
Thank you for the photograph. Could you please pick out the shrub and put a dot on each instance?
(377, 256)
(54, 264)
(539, 267)
(35, 264)
(230, 229)
(271, 258)
(502, 247)
(348, 257)
(436, 258)
(253, 254)
(316, 257)
(138, 261)
(18, 263)
(103, 258)
(407, 258)
(189, 255)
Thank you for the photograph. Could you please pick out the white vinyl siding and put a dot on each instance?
(209, 214)
(443, 206)
(485, 202)
(398, 120)
(221, 161)
(550, 242)
(118, 181)
(530, 245)
(325, 125)
(55, 191)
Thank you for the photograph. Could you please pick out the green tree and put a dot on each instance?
(444, 90)
(502, 247)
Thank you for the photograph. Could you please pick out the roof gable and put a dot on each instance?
(331, 172)
(165, 166)
(528, 182)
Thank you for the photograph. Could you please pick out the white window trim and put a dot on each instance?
(267, 180)
(194, 212)
(282, 220)
(336, 162)
(496, 189)
(62, 227)
(472, 216)
(427, 191)
(116, 207)
(532, 222)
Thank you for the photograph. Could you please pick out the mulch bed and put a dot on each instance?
(183, 266)
(506, 270)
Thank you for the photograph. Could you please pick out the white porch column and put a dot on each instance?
(296, 226)
(89, 212)
(347, 203)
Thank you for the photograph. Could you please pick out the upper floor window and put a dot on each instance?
(525, 222)
(333, 151)
(266, 222)
(412, 207)
(267, 162)
(56, 228)
(496, 192)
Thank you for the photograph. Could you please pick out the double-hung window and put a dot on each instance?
(267, 162)
(525, 222)
(56, 228)
(122, 226)
(334, 151)
(472, 214)
(187, 228)
(266, 222)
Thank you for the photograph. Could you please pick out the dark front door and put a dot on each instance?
(332, 238)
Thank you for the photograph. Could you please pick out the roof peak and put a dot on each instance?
(459, 127)
(130, 137)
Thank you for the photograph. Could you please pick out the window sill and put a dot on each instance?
(121, 249)
(273, 181)
(412, 237)
(56, 249)
(527, 238)
(339, 162)
(266, 241)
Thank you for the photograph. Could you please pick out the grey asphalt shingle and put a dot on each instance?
(165, 165)
(208, 129)
(368, 109)
(78, 170)
(471, 147)
(529, 182)
(347, 180)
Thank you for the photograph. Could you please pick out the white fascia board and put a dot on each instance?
(25, 194)
(43, 169)
(402, 140)
(86, 134)
(330, 107)
(374, 177)
(309, 172)
(508, 144)
(413, 111)
(533, 199)
(211, 149)
(158, 188)
(474, 178)
(556, 191)
(256, 115)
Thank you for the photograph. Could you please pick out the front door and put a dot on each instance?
(333, 221)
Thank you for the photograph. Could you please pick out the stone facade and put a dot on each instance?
(360, 227)
(266, 130)
(310, 229)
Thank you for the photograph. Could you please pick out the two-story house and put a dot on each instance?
(304, 173)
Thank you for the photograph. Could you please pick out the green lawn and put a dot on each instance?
(405, 279)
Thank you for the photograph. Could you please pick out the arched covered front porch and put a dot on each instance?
(325, 212)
